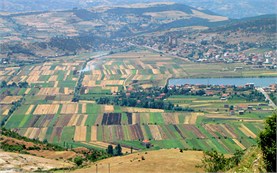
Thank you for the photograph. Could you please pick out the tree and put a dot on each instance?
(166, 88)
(118, 150)
(110, 150)
(23, 84)
(267, 142)
(78, 160)
(3, 84)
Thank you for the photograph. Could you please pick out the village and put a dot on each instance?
(220, 47)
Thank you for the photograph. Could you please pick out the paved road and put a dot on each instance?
(271, 103)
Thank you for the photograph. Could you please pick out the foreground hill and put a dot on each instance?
(14, 162)
(18, 153)
(171, 160)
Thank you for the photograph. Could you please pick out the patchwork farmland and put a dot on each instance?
(45, 109)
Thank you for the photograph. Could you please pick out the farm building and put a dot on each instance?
(241, 112)
(146, 143)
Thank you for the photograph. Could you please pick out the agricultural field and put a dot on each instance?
(44, 109)
(95, 125)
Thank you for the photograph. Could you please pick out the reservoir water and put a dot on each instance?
(260, 82)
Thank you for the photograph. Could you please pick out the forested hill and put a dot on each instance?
(263, 23)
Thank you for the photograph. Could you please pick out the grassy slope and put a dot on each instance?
(252, 161)
(171, 160)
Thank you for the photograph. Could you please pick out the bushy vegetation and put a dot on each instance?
(96, 155)
(214, 161)
(267, 143)
(78, 160)
(254, 95)
(12, 148)
(154, 97)
(117, 151)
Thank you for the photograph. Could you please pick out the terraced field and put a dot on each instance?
(46, 110)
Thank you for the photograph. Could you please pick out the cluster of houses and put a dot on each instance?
(210, 49)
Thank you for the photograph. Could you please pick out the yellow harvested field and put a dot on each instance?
(134, 118)
(10, 99)
(73, 121)
(32, 79)
(84, 120)
(141, 110)
(28, 132)
(155, 132)
(44, 109)
(161, 161)
(187, 119)
(246, 131)
(239, 144)
(156, 71)
(31, 107)
(33, 133)
(49, 91)
(84, 108)
(53, 78)
(108, 108)
(66, 90)
(6, 112)
(69, 108)
(56, 84)
(42, 133)
(80, 133)
(194, 117)
(27, 91)
(93, 133)
(112, 82)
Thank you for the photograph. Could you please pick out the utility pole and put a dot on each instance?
(96, 169)
(109, 167)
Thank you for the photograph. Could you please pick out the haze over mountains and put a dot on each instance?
(229, 8)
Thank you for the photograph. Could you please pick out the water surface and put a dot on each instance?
(260, 82)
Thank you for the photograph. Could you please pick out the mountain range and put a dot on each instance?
(229, 8)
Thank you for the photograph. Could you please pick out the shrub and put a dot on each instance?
(267, 142)
(78, 160)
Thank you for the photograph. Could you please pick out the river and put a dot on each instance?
(260, 82)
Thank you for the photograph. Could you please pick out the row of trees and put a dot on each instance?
(15, 105)
(4, 84)
(117, 151)
(154, 97)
